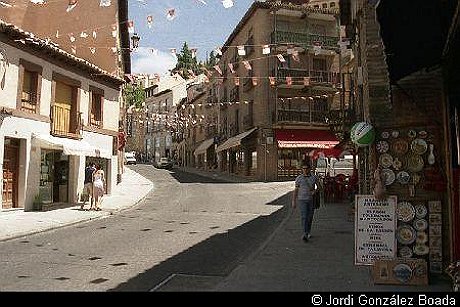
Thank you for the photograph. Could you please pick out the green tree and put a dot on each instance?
(134, 95)
(211, 61)
(185, 62)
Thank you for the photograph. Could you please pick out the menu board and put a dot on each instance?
(375, 229)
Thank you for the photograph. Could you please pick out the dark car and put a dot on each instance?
(165, 163)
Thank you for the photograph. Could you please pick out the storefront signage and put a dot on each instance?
(375, 228)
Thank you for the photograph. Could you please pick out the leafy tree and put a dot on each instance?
(134, 95)
(185, 62)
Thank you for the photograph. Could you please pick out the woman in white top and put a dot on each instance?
(98, 187)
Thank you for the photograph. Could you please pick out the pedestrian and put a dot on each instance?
(87, 194)
(98, 187)
(305, 189)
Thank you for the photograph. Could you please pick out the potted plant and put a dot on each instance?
(38, 202)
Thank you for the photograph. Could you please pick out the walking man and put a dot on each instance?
(305, 189)
(88, 185)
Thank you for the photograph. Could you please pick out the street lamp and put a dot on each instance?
(135, 40)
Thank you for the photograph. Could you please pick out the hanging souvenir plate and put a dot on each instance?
(395, 133)
(405, 234)
(415, 163)
(419, 146)
(420, 224)
(382, 146)
(386, 160)
(405, 252)
(405, 211)
(403, 177)
(423, 134)
(421, 238)
(412, 134)
(385, 135)
(420, 211)
(402, 272)
(400, 147)
(421, 249)
(397, 164)
(388, 176)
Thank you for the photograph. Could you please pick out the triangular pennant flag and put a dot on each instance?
(57, 33)
(289, 81)
(193, 51)
(241, 50)
(230, 65)
(237, 81)
(254, 81)
(227, 3)
(281, 58)
(265, 49)
(154, 51)
(83, 34)
(202, 1)
(219, 51)
(105, 3)
(272, 81)
(149, 21)
(71, 38)
(92, 49)
(247, 65)
(217, 68)
(114, 31)
(306, 81)
(94, 34)
(171, 14)
(72, 4)
(38, 1)
(131, 26)
(173, 51)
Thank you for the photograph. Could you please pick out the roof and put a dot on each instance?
(162, 92)
(51, 49)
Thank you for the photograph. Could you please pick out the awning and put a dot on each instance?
(201, 149)
(235, 140)
(71, 147)
(304, 138)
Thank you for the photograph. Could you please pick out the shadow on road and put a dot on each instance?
(217, 256)
(185, 177)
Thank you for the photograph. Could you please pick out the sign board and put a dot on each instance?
(375, 229)
(400, 271)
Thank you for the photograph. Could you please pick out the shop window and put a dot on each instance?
(29, 86)
(96, 107)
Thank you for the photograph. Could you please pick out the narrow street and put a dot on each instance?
(190, 232)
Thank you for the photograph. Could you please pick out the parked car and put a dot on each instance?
(130, 158)
(165, 163)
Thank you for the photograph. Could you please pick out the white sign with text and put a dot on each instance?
(375, 229)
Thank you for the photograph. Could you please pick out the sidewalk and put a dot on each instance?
(17, 223)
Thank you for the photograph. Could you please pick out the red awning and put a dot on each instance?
(303, 138)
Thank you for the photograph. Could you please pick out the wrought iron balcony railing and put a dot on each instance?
(304, 39)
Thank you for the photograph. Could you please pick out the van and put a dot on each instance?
(130, 158)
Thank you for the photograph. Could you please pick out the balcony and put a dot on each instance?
(64, 122)
(304, 39)
(320, 77)
(298, 111)
(29, 102)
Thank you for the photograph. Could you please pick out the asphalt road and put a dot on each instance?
(187, 235)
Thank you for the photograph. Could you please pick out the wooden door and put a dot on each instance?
(10, 176)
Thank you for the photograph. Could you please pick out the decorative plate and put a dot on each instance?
(415, 163)
(382, 146)
(402, 272)
(395, 133)
(388, 176)
(386, 160)
(420, 269)
(405, 211)
(420, 211)
(405, 252)
(420, 224)
(405, 234)
(412, 134)
(397, 164)
(419, 146)
(421, 237)
(423, 134)
(400, 147)
(385, 135)
(421, 249)
(403, 177)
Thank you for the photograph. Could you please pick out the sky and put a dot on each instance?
(202, 26)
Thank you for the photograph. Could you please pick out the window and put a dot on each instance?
(324, 5)
(96, 107)
(332, 4)
(29, 87)
(65, 116)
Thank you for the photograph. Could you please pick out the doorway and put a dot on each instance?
(10, 174)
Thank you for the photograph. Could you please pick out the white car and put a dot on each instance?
(130, 158)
